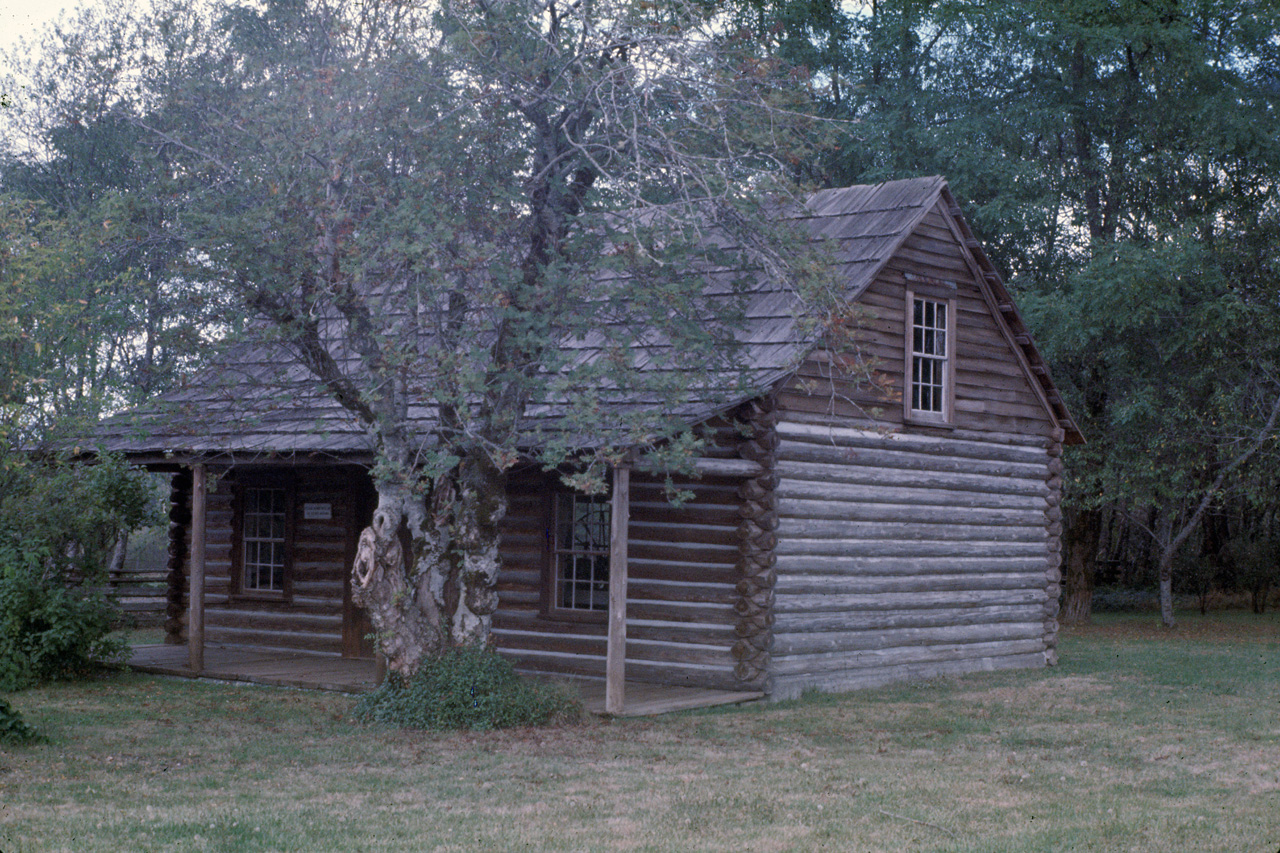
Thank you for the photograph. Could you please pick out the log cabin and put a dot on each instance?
(841, 534)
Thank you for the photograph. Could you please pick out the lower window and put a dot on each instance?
(262, 553)
(580, 556)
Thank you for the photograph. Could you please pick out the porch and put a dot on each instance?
(354, 675)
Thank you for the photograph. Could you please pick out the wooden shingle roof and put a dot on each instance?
(256, 399)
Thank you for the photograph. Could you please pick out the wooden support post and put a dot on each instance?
(616, 656)
(195, 597)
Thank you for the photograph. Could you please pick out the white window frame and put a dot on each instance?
(944, 362)
(579, 572)
(262, 559)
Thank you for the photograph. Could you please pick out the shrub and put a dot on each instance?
(47, 629)
(13, 729)
(467, 689)
(58, 523)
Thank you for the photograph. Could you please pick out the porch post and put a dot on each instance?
(195, 599)
(616, 655)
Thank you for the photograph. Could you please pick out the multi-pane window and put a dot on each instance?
(263, 518)
(929, 355)
(581, 558)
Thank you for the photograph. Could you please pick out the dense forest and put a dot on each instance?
(1119, 159)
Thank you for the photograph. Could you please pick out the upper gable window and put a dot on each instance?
(929, 354)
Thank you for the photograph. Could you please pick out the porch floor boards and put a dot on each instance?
(352, 675)
(260, 666)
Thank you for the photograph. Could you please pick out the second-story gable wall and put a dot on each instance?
(992, 392)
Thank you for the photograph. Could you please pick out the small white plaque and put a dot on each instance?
(317, 512)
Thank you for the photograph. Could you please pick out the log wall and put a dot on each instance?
(682, 575)
(912, 550)
(310, 617)
(905, 556)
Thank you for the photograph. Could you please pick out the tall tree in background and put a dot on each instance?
(95, 316)
(1120, 159)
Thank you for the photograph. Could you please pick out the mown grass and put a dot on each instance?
(1140, 740)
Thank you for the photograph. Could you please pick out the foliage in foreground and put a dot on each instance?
(58, 524)
(13, 729)
(467, 689)
(49, 631)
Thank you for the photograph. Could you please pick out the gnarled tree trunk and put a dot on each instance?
(444, 595)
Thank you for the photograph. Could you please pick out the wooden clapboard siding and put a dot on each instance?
(681, 564)
(905, 554)
(310, 617)
(993, 391)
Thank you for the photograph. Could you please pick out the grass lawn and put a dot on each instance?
(1140, 740)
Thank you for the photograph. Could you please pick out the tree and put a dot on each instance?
(486, 229)
(1120, 161)
(94, 317)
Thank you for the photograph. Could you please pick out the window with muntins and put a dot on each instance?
(581, 552)
(263, 533)
(929, 354)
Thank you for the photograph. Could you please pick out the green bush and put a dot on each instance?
(467, 689)
(49, 630)
(13, 729)
(59, 522)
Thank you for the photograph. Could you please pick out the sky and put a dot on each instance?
(23, 18)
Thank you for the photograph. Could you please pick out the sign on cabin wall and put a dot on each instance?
(317, 512)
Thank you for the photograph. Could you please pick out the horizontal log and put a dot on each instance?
(273, 621)
(789, 604)
(866, 585)
(1037, 440)
(801, 565)
(706, 492)
(135, 590)
(138, 575)
(722, 635)
(688, 534)
(859, 641)
(683, 553)
(513, 579)
(796, 451)
(790, 687)
(879, 531)
(638, 650)
(814, 664)
(727, 467)
(640, 589)
(938, 513)
(846, 472)
(713, 515)
(875, 493)
(330, 589)
(791, 545)
(712, 677)
(927, 445)
(673, 570)
(800, 623)
(293, 640)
